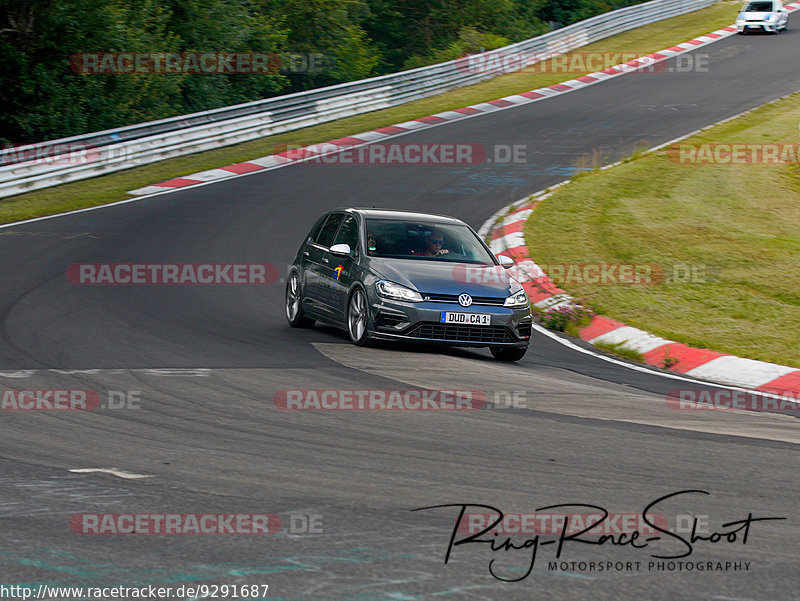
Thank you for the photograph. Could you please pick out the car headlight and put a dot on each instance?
(397, 292)
(518, 299)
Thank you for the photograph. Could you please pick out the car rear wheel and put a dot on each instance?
(514, 353)
(294, 304)
(357, 318)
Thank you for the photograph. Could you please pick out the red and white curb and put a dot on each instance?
(505, 232)
(289, 157)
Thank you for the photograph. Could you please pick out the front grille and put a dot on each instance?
(461, 333)
(493, 301)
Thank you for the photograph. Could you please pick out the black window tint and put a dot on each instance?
(325, 236)
(400, 239)
(312, 235)
(348, 233)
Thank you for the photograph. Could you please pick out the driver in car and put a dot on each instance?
(433, 245)
(372, 244)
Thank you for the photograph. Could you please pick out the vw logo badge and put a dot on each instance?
(465, 300)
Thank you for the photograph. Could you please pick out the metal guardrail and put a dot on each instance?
(90, 155)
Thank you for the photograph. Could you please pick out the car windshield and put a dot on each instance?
(759, 7)
(404, 239)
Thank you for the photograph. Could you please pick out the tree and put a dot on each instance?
(231, 27)
(43, 98)
(330, 31)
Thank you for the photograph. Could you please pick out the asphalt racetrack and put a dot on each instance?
(198, 368)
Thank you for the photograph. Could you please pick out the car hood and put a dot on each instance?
(755, 16)
(435, 277)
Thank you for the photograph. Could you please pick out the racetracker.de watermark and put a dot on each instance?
(182, 524)
(647, 274)
(726, 400)
(734, 154)
(580, 62)
(175, 523)
(556, 523)
(399, 154)
(379, 400)
(127, 274)
(198, 63)
(572, 274)
(65, 153)
(434, 153)
(68, 400)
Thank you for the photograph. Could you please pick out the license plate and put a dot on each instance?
(472, 319)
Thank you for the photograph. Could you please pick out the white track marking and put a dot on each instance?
(110, 470)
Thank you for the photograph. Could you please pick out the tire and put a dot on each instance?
(294, 304)
(514, 353)
(358, 318)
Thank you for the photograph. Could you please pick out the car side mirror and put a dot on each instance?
(342, 250)
(505, 261)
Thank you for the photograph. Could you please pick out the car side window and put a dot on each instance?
(328, 231)
(348, 233)
(312, 235)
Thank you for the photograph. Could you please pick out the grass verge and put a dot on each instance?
(114, 187)
(727, 237)
(620, 351)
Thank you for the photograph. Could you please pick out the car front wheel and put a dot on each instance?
(294, 304)
(514, 353)
(357, 318)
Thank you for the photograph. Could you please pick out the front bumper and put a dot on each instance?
(421, 322)
(756, 26)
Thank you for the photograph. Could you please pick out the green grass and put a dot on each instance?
(114, 187)
(727, 236)
(620, 351)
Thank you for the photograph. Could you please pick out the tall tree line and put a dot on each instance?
(313, 43)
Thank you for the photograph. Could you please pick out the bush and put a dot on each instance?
(567, 318)
(469, 41)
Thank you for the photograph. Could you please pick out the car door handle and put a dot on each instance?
(325, 260)
(306, 253)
